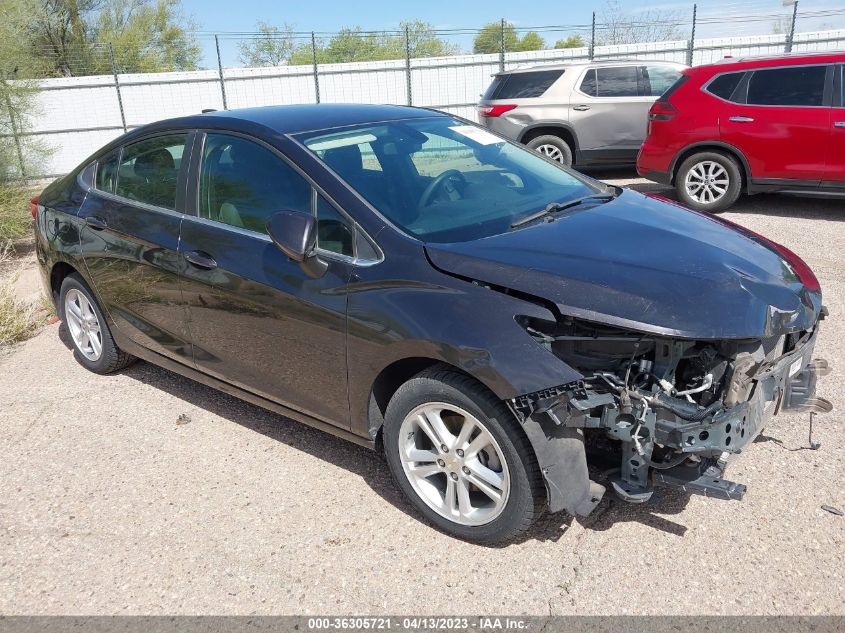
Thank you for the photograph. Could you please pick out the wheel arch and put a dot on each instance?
(59, 271)
(715, 146)
(562, 130)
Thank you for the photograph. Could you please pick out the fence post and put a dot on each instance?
(791, 36)
(502, 47)
(15, 135)
(117, 87)
(408, 63)
(220, 72)
(314, 62)
(691, 48)
(593, 37)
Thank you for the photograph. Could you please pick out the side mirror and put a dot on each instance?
(295, 234)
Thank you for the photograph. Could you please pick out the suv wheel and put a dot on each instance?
(93, 345)
(457, 453)
(552, 147)
(709, 181)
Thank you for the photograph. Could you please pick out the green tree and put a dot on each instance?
(272, 46)
(489, 39)
(17, 64)
(147, 36)
(71, 36)
(355, 45)
(573, 41)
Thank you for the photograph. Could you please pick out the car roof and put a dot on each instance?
(587, 63)
(292, 119)
(789, 59)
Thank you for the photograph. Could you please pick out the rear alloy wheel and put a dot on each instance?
(708, 181)
(553, 148)
(93, 345)
(458, 454)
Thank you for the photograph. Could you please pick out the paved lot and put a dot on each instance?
(145, 492)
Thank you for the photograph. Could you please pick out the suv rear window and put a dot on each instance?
(522, 85)
(796, 86)
(724, 85)
(611, 82)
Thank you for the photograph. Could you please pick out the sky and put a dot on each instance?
(226, 16)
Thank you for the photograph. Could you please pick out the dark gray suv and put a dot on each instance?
(583, 113)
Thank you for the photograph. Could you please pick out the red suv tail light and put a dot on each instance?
(493, 111)
(662, 111)
(33, 206)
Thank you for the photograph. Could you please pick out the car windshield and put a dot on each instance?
(443, 180)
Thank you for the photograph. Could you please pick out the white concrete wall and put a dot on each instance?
(91, 102)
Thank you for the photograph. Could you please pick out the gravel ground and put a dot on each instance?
(146, 493)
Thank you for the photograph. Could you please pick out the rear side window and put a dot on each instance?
(660, 79)
(522, 85)
(796, 86)
(107, 172)
(149, 168)
(723, 86)
(611, 82)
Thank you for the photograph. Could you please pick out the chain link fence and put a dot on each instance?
(75, 115)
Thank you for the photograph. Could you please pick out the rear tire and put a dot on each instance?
(93, 345)
(552, 147)
(489, 470)
(709, 181)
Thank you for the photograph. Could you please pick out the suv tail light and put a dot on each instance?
(33, 206)
(662, 111)
(493, 111)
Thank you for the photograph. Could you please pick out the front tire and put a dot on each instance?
(458, 454)
(93, 345)
(552, 147)
(709, 181)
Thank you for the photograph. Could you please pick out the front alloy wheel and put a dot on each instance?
(454, 464)
(459, 456)
(83, 325)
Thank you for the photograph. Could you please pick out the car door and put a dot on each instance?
(130, 239)
(834, 173)
(256, 319)
(609, 113)
(781, 123)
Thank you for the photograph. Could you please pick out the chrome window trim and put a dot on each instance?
(750, 72)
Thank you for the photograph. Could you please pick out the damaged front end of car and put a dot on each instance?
(678, 408)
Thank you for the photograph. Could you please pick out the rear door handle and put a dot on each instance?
(201, 260)
(98, 224)
(742, 119)
(581, 108)
(839, 124)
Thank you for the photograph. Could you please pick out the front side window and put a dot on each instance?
(243, 183)
(661, 78)
(618, 81)
(149, 169)
(442, 179)
(106, 178)
(795, 86)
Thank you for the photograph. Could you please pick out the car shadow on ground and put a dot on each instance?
(372, 467)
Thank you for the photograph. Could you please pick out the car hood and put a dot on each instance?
(641, 263)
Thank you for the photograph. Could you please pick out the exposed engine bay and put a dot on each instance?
(678, 408)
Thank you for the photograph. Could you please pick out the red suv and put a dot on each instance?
(750, 125)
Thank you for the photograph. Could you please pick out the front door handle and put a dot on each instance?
(98, 224)
(742, 119)
(581, 107)
(201, 260)
(839, 124)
